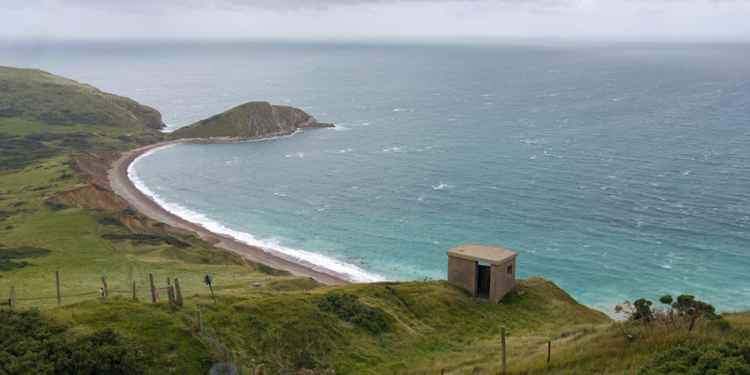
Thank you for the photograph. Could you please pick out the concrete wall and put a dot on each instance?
(463, 274)
(502, 282)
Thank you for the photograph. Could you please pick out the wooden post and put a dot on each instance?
(12, 299)
(549, 351)
(105, 290)
(502, 342)
(57, 287)
(200, 321)
(135, 296)
(170, 294)
(153, 287)
(178, 291)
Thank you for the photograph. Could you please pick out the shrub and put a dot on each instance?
(348, 307)
(30, 344)
(731, 357)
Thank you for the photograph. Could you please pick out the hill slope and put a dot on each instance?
(36, 95)
(251, 120)
(43, 115)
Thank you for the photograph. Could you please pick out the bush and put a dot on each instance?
(728, 358)
(30, 344)
(348, 307)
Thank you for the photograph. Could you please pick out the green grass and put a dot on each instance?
(42, 97)
(78, 246)
(431, 324)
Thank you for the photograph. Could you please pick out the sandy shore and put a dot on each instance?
(124, 187)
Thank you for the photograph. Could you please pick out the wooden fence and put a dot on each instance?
(171, 292)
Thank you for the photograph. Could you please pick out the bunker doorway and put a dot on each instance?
(483, 280)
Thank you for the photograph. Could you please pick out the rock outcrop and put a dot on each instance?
(251, 120)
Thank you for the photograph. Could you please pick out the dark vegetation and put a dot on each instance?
(147, 239)
(18, 152)
(32, 344)
(349, 308)
(9, 257)
(729, 357)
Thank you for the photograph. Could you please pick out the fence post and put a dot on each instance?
(57, 287)
(135, 296)
(200, 321)
(502, 342)
(105, 289)
(153, 287)
(549, 351)
(170, 295)
(12, 299)
(178, 291)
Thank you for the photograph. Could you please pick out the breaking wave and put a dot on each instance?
(351, 271)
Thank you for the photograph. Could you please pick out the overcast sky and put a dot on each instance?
(382, 19)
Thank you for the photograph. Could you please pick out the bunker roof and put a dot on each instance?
(482, 253)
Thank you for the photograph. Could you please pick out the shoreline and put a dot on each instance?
(123, 186)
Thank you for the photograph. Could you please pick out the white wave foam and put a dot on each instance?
(440, 186)
(300, 155)
(273, 246)
(392, 149)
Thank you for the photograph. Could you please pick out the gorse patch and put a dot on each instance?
(9, 256)
(731, 357)
(30, 344)
(348, 307)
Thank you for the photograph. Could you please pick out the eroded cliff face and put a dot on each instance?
(251, 120)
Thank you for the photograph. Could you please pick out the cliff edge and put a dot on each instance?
(251, 120)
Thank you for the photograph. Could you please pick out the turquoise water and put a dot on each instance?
(616, 171)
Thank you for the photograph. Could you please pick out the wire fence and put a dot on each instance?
(169, 291)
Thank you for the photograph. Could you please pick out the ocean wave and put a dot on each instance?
(300, 155)
(440, 186)
(273, 246)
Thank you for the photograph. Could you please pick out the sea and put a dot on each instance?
(616, 170)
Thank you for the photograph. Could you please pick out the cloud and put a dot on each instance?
(389, 19)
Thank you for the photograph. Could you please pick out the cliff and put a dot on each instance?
(251, 120)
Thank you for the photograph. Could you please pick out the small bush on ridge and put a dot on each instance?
(348, 307)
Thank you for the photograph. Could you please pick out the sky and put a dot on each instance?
(637, 20)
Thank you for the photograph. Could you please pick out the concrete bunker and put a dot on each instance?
(484, 271)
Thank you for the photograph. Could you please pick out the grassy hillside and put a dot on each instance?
(427, 325)
(42, 115)
(250, 120)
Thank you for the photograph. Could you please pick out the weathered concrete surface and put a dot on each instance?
(463, 274)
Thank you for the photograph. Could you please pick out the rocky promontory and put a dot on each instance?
(251, 120)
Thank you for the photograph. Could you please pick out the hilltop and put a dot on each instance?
(251, 120)
(36, 95)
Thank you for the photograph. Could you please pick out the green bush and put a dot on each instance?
(348, 307)
(30, 344)
(731, 357)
